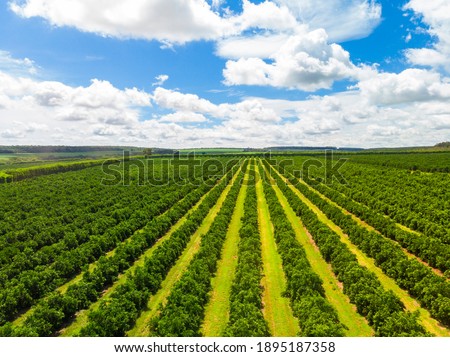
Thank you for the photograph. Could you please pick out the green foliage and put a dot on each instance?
(185, 308)
(427, 162)
(316, 315)
(80, 295)
(246, 318)
(131, 297)
(361, 285)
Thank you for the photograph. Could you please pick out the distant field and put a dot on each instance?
(423, 161)
(23, 160)
(211, 151)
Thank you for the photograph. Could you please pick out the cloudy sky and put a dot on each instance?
(225, 73)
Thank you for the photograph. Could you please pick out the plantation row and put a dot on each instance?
(22, 290)
(20, 174)
(131, 297)
(432, 250)
(246, 318)
(15, 297)
(431, 290)
(67, 207)
(420, 201)
(151, 267)
(183, 314)
(383, 310)
(428, 162)
(304, 287)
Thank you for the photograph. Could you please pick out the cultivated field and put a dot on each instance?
(221, 246)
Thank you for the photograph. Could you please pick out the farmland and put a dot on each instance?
(248, 245)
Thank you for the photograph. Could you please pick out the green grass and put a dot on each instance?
(277, 310)
(218, 309)
(156, 301)
(389, 284)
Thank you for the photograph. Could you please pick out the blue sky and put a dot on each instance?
(198, 73)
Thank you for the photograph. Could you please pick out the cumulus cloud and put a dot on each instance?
(181, 21)
(99, 95)
(266, 15)
(170, 99)
(341, 119)
(176, 21)
(11, 134)
(55, 105)
(378, 130)
(216, 4)
(171, 22)
(305, 61)
(411, 85)
(260, 46)
(436, 14)
(160, 80)
(184, 117)
(104, 131)
(343, 20)
(17, 66)
(410, 107)
(267, 43)
(249, 111)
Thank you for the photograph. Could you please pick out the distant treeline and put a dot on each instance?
(35, 149)
(445, 144)
(310, 148)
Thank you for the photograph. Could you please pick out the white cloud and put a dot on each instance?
(99, 94)
(411, 85)
(306, 61)
(169, 99)
(160, 80)
(342, 19)
(16, 66)
(409, 108)
(171, 22)
(266, 15)
(436, 14)
(176, 21)
(103, 130)
(268, 43)
(426, 57)
(249, 111)
(384, 131)
(260, 46)
(54, 105)
(216, 4)
(184, 117)
(181, 21)
(11, 134)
